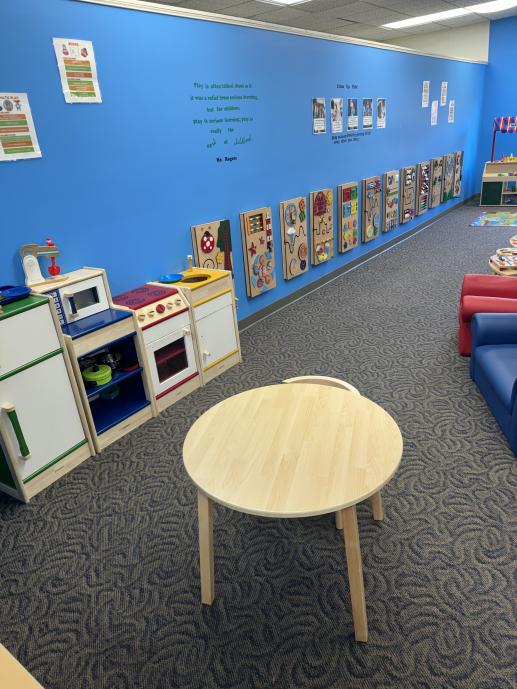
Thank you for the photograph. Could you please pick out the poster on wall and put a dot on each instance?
(18, 138)
(425, 94)
(367, 113)
(353, 117)
(78, 71)
(434, 113)
(319, 116)
(451, 111)
(443, 93)
(336, 115)
(381, 113)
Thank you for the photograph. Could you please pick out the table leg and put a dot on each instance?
(355, 572)
(378, 511)
(339, 521)
(205, 511)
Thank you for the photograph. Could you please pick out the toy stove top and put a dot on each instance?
(152, 304)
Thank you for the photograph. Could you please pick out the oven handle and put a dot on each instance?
(71, 301)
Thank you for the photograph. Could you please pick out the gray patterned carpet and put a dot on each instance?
(99, 574)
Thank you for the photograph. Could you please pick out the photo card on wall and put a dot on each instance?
(295, 246)
(391, 200)
(212, 243)
(322, 226)
(436, 182)
(258, 251)
(319, 116)
(408, 192)
(348, 214)
(372, 193)
(423, 186)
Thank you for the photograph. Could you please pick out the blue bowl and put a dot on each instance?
(171, 277)
(10, 293)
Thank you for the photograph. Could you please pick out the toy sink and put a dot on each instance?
(196, 277)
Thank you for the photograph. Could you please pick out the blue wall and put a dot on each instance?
(500, 96)
(120, 184)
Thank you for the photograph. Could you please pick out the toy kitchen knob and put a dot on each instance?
(169, 305)
(141, 316)
(150, 313)
(177, 302)
(160, 308)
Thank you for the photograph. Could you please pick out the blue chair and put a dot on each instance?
(493, 367)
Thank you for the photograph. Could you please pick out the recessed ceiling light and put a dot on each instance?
(494, 6)
(284, 2)
(427, 18)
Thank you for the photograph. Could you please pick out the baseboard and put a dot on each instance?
(248, 321)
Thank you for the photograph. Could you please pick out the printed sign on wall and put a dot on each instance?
(18, 138)
(78, 71)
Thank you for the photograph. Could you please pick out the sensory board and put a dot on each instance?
(448, 176)
(407, 205)
(422, 193)
(258, 252)
(458, 169)
(348, 211)
(435, 197)
(293, 228)
(391, 200)
(212, 244)
(371, 208)
(322, 226)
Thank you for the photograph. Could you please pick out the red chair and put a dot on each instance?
(483, 294)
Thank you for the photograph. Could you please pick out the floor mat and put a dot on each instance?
(496, 219)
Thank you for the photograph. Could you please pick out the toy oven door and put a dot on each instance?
(84, 298)
(171, 360)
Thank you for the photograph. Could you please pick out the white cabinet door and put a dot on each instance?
(26, 337)
(216, 333)
(47, 413)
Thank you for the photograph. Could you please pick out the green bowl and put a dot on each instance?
(98, 374)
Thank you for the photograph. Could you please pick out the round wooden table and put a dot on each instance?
(292, 451)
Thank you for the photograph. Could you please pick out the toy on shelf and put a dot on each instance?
(348, 200)
(295, 248)
(424, 174)
(458, 171)
(257, 246)
(391, 200)
(212, 244)
(371, 208)
(435, 197)
(448, 176)
(322, 226)
(30, 254)
(407, 206)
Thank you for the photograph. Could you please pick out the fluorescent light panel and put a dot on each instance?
(483, 8)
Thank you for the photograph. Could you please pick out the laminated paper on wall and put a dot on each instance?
(78, 71)
(18, 138)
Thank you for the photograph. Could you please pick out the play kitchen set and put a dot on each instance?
(43, 428)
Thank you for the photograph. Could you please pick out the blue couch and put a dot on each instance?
(493, 367)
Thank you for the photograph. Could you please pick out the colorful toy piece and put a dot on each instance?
(30, 254)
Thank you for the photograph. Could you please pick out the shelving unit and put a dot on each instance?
(499, 184)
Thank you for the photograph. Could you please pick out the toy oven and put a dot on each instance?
(80, 299)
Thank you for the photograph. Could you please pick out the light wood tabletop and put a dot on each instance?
(293, 451)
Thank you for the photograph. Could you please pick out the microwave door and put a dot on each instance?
(82, 299)
(171, 360)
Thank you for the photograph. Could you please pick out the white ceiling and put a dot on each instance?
(343, 17)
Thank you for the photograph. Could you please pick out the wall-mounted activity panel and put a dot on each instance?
(293, 228)
(435, 197)
(371, 208)
(407, 205)
(458, 172)
(448, 176)
(348, 212)
(212, 244)
(258, 251)
(391, 200)
(422, 194)
(322, 226)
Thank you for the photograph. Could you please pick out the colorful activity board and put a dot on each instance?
(348, 195)
(458, 173)
(212, 244)
(448, 176)
(407, 206)
(322, 226)
(295, 247)
(391, 200)
(371, 208)
(435, 197)
(422, 194)
(257, 248)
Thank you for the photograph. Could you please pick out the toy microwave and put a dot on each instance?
(78, 294)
